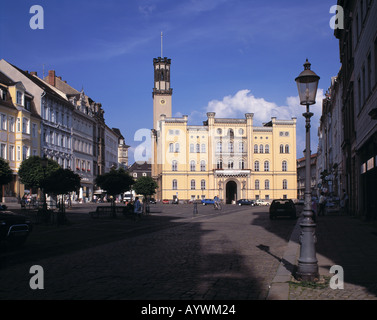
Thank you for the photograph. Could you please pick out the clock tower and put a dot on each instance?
(162, 92)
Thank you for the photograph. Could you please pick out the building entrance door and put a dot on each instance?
(231, 192)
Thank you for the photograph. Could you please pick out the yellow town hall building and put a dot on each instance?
(230, 158)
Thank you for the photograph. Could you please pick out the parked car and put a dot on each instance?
(283, 207)
(152, 200)
(245, 202)
(14, 228)
(260, 202)
(207, 201)
(165, 201)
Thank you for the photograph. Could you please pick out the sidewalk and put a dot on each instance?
(341, 240)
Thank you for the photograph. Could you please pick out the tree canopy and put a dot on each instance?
(145, 186)
(6, 173)
(32, 174)
(62, 181)
(115, 182)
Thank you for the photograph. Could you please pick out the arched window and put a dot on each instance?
(267, 184)
(203, 148)
(266, 148)
(197, 148)
(266, 166)
(255, 148)
(203, 184)
(202, 165)
(284, 166)
(242, 164)
(256, 166)
(193, 184)
(256, 184)
(171, 147)
(191, 147)
(174, 165)
(230, 164)
(219, 164)
(192, 165)
(174, 185)
(177, 147)
(261, 148)
(231, 133)
(286, 148)
(285, 184)
(281, 148)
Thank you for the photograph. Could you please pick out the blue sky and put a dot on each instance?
(228, 56)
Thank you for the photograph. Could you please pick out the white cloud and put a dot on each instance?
(245, 102)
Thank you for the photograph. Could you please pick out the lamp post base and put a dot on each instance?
(307, 268)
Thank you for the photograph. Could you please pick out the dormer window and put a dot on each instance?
(20, 98)
(27, 104)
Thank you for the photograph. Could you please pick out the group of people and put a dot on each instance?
(323, 201)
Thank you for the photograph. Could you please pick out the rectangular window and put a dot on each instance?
(11, 153)
(19, 98)
(3, 151)
(19, 153)
(25, 125)
(11, 124)
(3, 121)
(34, 130)
(25, 152)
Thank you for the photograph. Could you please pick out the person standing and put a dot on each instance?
(322, 204)
(137, 208)
(344, 203)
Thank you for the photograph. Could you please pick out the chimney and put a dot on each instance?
(33, 73)
(51, 77)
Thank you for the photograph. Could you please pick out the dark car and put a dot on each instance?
(14, 228)
(152, 200)
(282, 207)
(245, 202)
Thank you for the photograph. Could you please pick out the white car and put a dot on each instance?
(261, 203)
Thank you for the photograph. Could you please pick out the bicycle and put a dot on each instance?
(217, 206)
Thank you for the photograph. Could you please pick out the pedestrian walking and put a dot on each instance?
(322, 204)
(137, 208)
(344, 203)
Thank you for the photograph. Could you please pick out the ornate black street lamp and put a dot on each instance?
(307, 269)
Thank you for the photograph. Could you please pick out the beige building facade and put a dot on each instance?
(224, 157)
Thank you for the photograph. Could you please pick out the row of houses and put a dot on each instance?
(48, 117)
(347, 151)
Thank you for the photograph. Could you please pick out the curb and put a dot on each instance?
(279, 287)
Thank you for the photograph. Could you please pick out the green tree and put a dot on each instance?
(32, 174)
(6, 174)
(61, 182)
(115, 182)
(146, 186)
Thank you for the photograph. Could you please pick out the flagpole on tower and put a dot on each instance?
(161, 46)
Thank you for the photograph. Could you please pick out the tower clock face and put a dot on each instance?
(162, 101)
